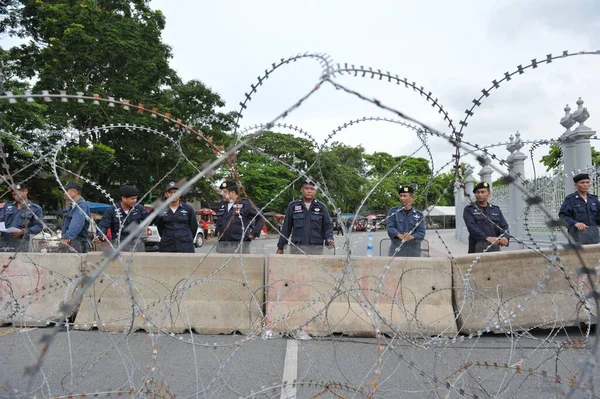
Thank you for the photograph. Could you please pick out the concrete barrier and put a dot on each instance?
(175, 292)
(519, 290)
(33, 286)
(415, 298)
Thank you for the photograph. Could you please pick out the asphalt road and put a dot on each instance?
(193, 365)
(268, 246)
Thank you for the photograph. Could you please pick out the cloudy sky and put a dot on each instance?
(453, 49)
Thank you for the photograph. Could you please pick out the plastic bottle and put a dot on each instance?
(370, 245)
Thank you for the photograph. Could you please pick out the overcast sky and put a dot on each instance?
(453, 49)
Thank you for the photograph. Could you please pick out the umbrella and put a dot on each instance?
(279, 216)
(371, 217)
(205, 211)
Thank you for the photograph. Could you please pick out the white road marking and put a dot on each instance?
(290, 370)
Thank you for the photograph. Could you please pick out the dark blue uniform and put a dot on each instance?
(309, 228)
(28, 218)
(574, 209)
(484, 222)
(234, 225)
(177, 229)
(119, 221)
(400, 222)
(75, 226)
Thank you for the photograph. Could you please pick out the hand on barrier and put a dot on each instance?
(279, 251)
(581, 226)
(330, 243)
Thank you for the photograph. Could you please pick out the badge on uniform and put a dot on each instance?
(417, 216)
(183, 211)
(317, 209)
(298, 208)
(238, 206)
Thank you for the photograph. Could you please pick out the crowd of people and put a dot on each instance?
(307, 227)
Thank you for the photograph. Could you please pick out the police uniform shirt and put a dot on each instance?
(310, 226)
(236, 220)
(178, 226)
(75, 225)
(575, 209)
(117, 219)
(484, 222)
(400, 222)
(28, 218)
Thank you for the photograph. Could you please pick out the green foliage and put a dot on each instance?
(112, 48)
(553, 160)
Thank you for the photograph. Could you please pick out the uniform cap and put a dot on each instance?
(309, 182)
(171, 186)
(73, 184)
(18, 186)
(482, 184)
(129, 191)
(229, 185)
(580, 177)
(406, 189)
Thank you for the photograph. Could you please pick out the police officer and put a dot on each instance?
(177, 225)
(405, 226)
(581, 211)
(235, 220)
(124, 217)
(308, 222)
(76, 222)
(25, 218)
(488, 230)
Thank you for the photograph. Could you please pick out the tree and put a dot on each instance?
(553, 160)
(112, 48)
(343, 171)
(264, 177)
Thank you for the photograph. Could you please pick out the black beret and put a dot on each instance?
(406, 189)
(171, 186)
(129, 191)
(229, 185)
(75, 185)
(18, 186)
(581, 176)
(482, 184)
(309, 182)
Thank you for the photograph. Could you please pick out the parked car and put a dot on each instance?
(153, 238)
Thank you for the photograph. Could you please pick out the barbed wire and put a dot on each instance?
(442, 356)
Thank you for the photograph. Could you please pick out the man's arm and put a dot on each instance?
(77, 223)
(566, 212)
(38, 224)
(327, 225)
(420, 231)
(192, 221)
(259, 222)
(106, 222)
(286, 230)
(391, 223)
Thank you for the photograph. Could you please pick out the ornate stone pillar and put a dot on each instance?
(516, 203)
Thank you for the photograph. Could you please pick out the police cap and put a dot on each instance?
(309, 182)
(18, 186)
(230, 185)
(406, 189)
(129, 191)
(482, 184)
(75, 185)
(171, 186)
(581, 176)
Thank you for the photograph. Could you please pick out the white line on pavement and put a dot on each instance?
(290, 370)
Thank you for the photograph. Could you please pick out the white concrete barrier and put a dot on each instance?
(519, 290)
(322, 296)
(175, 292)
(33, 286)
